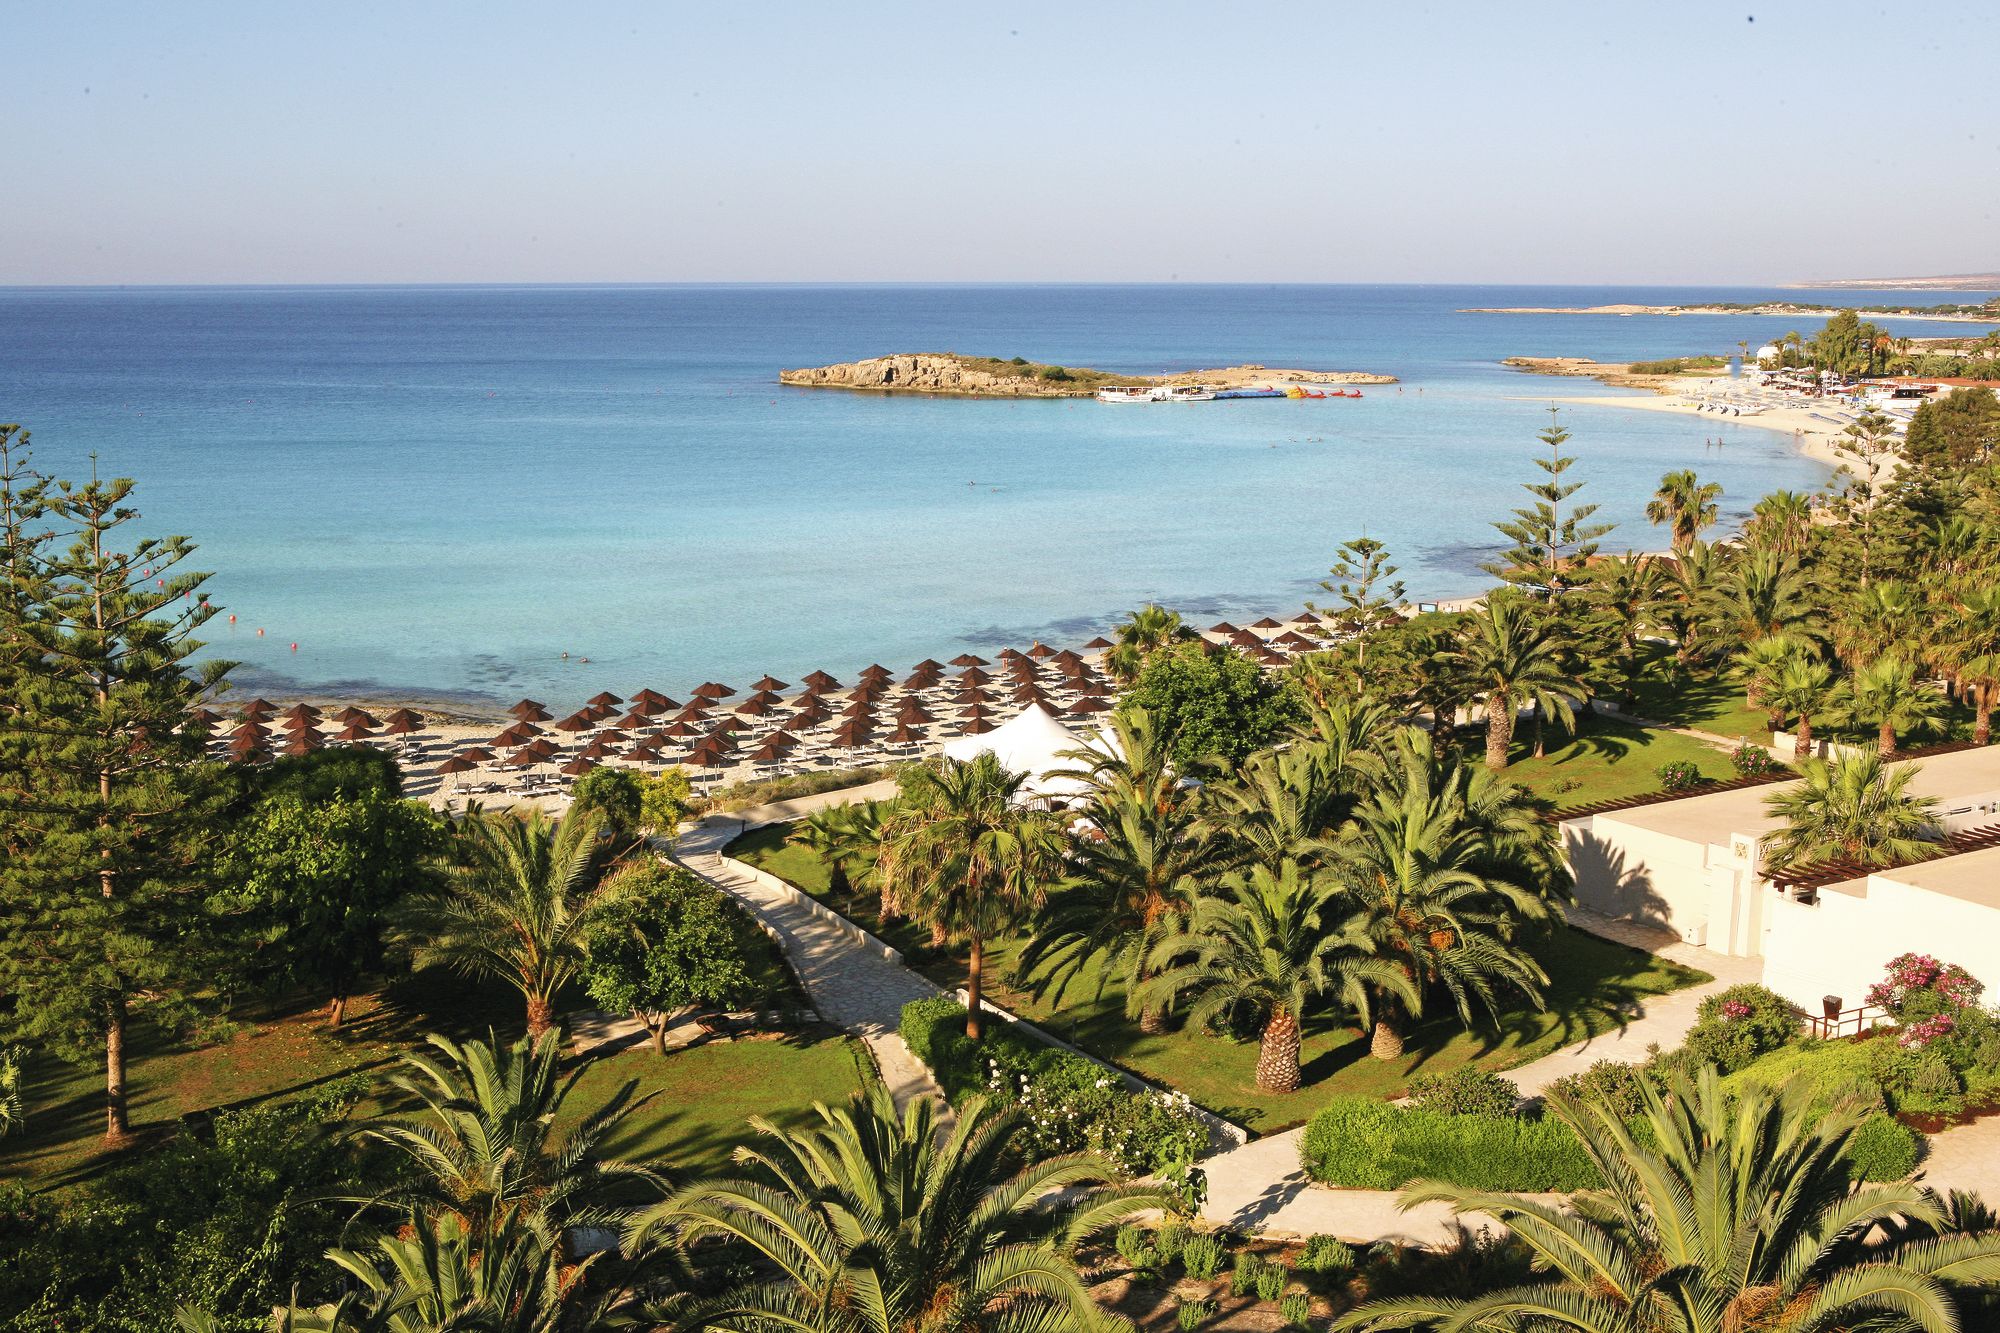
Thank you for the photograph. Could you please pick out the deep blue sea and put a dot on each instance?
(437, 490)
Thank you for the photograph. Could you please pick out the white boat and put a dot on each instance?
(1189, 393)
(1128, 395)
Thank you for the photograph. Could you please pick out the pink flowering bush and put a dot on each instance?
(1928, 999)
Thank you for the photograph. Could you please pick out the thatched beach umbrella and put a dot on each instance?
(305, 741)
(811, 717)
(713, 689)
(525, 758)
(876, 672)
(972, 675)
(912, 711)
(354, 733)
(542, 746)
(1030, 694)
(635, 718)
(578, 721)
(852, 734)
(527, 710)
(921, 679)
(604, 699)
(1087, 705)
(906, 733)
(968, 660)
(1267, 623)
(258, 707)
(859, 708)
(1294, 640)
(455, 765)
(1040, 649)
(1223, 628)
(776, 746)
(819, 682)
(975, 726)
(1020, 668)
(402, 722)
(770, 683)
(652, 703)
(300, 713)
(576, 768)
(248, 729)
(929, 666)
(477, 754)
(600, 747)
(1098, 644)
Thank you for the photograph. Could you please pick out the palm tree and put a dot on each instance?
(1440, 867)
(1761, 593)
(11, 1104)
(1890, 696)
(1281, 805)
(1877, 620)
(963, 853)
(847, 838)
(1975, 632)
(1851, 808)
(484, 1145)
(1622, 598)
(1802, 687)
(874, 1222)
(1261, 950)
(1130, 886)
(1685, 504)
(1510, 656)
(1781, 522)
(518, 908)
(1133, 762)
(1698, 570)
(1758, 666)
(1731, 1212)
(1139, 637)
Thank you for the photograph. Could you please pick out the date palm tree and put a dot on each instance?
(1263, 948)
(1685, 505)
(1877, 621)
(1508, 654)
(1622, 599)
(1852, 808)
(964, 854)
(517, 908)
(847, 838)
(1141, 636)
(1130, 885)
(1890, 696)
(1782, 522)
(1802, 687)
(1281, 805)
(1731, 1212)
(1441, 868)
(1975, 631)
(1761, 594)
(875, 1222)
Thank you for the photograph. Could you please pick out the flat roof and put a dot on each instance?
(1718, 816)
(1972, 877)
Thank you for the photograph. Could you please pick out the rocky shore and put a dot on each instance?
(1618, 374)
(990, 377)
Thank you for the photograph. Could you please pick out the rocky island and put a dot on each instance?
(1981, 314)
(993, 377)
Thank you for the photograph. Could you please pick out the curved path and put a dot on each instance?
(1259, 1185)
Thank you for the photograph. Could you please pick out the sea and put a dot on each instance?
(482, 493)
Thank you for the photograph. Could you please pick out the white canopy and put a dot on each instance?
(1031, 742)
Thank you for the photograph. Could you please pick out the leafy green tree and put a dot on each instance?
(315, 884)
(1218, 705)
(1961, 429)
(1260, 951)
(1550, 547)
(965, 854)
(336, 772)
(108, 802)
(613, 797)
(875, 1222)
(1851, 808)
(1724, 1212)
(1889, 695)
(1868, 446)
(664, 800)
(1845, 346)
(667, 941)
(517, 909)
(1685, 505)
(1510, 656)
(1142, 636)
(1439, 866)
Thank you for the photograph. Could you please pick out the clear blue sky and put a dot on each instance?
(599, 141)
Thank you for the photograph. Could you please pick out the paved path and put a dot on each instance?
(849, 986)
(1261, 1184)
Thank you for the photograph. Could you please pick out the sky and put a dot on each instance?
(304, 142)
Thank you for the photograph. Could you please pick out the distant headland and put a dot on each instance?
(1975, 314)
(993, 377)
(1950, 282)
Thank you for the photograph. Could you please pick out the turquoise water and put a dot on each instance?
(445, 489)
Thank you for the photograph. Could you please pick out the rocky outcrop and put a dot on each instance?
(950, 373)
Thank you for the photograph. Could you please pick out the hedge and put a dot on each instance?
(1365, 1144)
(1883, 1148)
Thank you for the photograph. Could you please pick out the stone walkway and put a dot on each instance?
(849, 986)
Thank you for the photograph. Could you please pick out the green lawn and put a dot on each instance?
(1711, 704)
(706, 1095)
(1594, 983)
(1609, 761)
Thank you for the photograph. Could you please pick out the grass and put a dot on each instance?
(1594, 984)
(1706, 704)
(704, 1096)
(1608, 762)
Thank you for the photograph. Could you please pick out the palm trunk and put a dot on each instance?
(117, 1127)
(1541, 744)
(541, 1015)
(1153, 1020)
(1387, 1041)
(336, 1011)
(1499, 729)
(1982, 715)
(1802, 742)
(1885, 740)
(1278, 1054)
(975, 974)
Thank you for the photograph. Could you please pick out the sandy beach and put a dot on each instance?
(1813, 427)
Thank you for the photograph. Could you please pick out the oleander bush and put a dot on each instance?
(1679, 775)
(1365, 1144)
(1466, 1090)
(1753, 761)
(1734, 1027)
(1068, 1103)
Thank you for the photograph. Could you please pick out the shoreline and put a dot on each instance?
(1811, 436)
(1770, 309)
(951, 375)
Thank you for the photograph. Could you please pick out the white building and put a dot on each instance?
(1695, 866)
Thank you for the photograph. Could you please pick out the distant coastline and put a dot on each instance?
(950, 374)
(1956, 282)
(1959, 313)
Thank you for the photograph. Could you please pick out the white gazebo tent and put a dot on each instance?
(1031, 742)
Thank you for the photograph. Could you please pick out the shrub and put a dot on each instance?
(1607, 1083)
(1926, 998)
(1326, 1254)
(1297, 1309)
(1069, 1103)
(1753, 761)
(1465, 1090)
(1366, 1144)
(1135, 1247)
(1169, 1241)
(1737, 1025)
(1271, 1280)
(1836, 1073)
(1201, 1257)
(1678, 775)
(1936, 1082)
(1243, 1277)
(1986, 1056)
(1193, 1314)
(1882, 1149)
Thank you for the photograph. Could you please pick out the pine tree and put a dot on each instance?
(1550, 546)
(1362, 566)
(105, 800)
